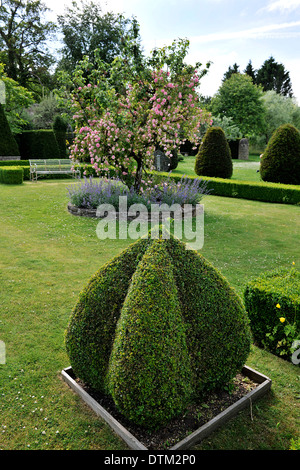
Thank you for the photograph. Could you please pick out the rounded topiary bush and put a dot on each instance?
(157, 328)
(214, 155)
(280, 162)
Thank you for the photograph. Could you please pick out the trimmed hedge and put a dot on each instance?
(260, 191)
(11, 174)
(18, 163)
(273, 295)
(8, 144)
(38, 144)
(156, 328)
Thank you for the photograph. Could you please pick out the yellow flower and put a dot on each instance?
(293, 262)
(282, 319)
(278, 305)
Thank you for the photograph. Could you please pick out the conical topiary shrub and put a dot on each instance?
(8, 144)
(280, 162)
(60, 131)
(150, 366)
(214, 155)
(156, 328)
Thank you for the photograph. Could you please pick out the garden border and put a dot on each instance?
(204, 431)
(84, 212)
(254, 191)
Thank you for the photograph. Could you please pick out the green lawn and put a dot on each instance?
(48, 256)
(245, 170)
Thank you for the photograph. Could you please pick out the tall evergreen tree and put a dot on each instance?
(231, 71)
(249, 70)
(273, 76)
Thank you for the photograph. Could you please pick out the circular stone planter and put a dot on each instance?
(187, 210)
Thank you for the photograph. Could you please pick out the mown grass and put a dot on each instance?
(245, 170)
(48, 256)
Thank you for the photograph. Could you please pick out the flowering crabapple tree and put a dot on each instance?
(124, 113)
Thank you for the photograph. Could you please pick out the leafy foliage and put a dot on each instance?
(86, 28)
(16, 100)
(279, 110)
(240, 99)
(23, 36)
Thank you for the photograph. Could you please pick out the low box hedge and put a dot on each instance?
(260, 191)
(273, 302)
(11, 174)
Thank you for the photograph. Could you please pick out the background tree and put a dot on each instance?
(249, 70)
(231, 71)
(17, 99)
(273, 76)
(23, 36)
(279, 110)
(86, 28)
(240, 99)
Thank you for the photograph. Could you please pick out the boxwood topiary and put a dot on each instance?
(150, 371)
(214, 155)
(11, 174)
(280, 162)
(156, 328)
(273, 295)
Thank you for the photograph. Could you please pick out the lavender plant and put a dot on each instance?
(186, 191)
(90, 193)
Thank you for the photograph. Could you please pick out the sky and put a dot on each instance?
(221, 31)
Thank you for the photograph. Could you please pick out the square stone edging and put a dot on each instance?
(195, 437)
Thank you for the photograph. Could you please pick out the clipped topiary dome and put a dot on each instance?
(280, 162)
(214, 155)
(156, 328)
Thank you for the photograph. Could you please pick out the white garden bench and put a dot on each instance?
(52, 167)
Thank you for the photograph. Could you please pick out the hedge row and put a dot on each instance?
(11, 174)
(272, 301)
(261, 191)
(38, 144)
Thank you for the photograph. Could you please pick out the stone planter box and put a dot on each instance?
(264, 385)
